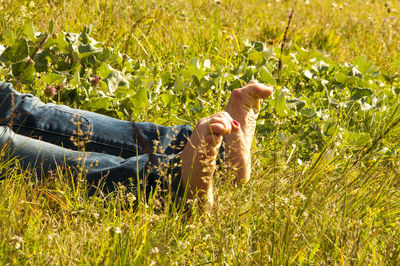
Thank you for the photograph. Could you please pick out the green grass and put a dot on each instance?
(328, 207)
(171, 32)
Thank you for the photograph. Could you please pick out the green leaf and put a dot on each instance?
(363, 65)
(71, 38)
(206, 84)
(29, 31)
(128, 66)
(102, 103)
(29, 74)
(307, 112)
(122, 92)
(303, 54)
(168, 99)
(104, 55)
(236, 84)
(23, 71)
(59, 42)
(51, 26)
(85, 50)
(259, 46)
(241, 69)
(341, 78)
(9, 37)
(114, 80)
(17, 52)
(178, 84)
(42, 60)
(53, 78)
(196, 106)
(356, 139)
(75, 78)
(3, 55)
(21, 50)
(193, 69)
(320, 66)
(140, 99)
(104, 70)
(266, 77)
(329, 128)
(280, 105)
(360, 92)
(257, 57)
(104, 87)
(17, 69)
(84, 36)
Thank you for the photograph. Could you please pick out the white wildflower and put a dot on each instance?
(154, 250)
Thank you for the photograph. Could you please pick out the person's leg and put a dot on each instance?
(101, 170)
(244, 107)
(200, 154)
(75, 129)
(30, 116)
(236, 127)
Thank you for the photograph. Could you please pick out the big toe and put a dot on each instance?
(257, 90)
(212, 128)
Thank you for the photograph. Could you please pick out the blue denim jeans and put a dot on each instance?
(110, 151)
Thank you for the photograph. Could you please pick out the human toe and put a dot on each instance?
(258, 90)
(220, 125)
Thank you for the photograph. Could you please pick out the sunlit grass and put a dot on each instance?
(171, 32)
(325, 211)
(283, 215)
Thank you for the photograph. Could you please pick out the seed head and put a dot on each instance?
(95, 81)
(50, 91)
(59, 87)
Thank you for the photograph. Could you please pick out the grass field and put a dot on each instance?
(326, 177)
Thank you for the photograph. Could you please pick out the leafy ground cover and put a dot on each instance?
(326, 161)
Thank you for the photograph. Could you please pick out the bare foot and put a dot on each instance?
(244, 107)
(200, 153)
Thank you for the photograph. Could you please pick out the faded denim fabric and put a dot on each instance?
(42, 136)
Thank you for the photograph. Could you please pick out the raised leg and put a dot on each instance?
(199, 155)
(244, 107)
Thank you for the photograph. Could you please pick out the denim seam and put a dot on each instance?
(125, 147)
